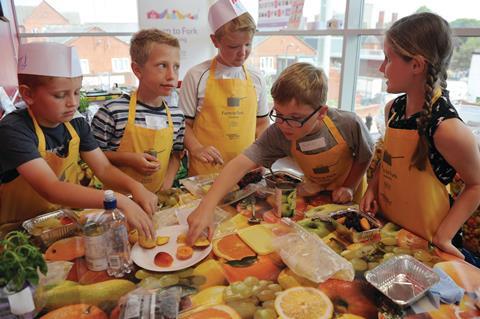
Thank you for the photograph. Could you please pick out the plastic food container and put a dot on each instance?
(280, 177)
(285, 199)
(365, 229)
(48, 235)
(403, 279)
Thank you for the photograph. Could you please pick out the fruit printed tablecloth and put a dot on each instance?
(245, 279)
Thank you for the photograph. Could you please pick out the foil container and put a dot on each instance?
(49, 236)
(403, 279)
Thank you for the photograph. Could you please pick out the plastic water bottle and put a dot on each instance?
(116, 237)
(94, 237)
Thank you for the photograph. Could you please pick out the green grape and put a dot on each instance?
(198, 280)
(266, 294)
(422, 255)
(389, 241)
(274, 287)
(264, 283)
(185, 273)
(246, 292)
(387, 256)
(269, 304)
(265, 314)
(348, 254)
(229, 296)
(244, 309)
(184, 281)
(359, 264)
(372, 265)
(238, 287)
(402, 251)
(169, 280)
(251, 281)
(365, 251)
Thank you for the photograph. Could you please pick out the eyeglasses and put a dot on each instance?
(290, 121)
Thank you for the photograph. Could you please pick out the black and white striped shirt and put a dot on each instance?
(108, 124)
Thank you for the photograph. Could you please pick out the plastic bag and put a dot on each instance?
(151, 304)
(308, 256)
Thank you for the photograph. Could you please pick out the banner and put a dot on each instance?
(187, 20)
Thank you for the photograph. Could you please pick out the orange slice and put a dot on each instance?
(162, 240)
(231, 247)
(181, 239)
(147, 243)
(184, 252)
(217, 312)
(303, 303)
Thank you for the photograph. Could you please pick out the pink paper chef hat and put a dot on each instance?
(224, 11)
(48, 59)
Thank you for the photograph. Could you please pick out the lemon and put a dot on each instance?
(209, 296)
(303, 303)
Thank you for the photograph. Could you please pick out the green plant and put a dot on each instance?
(83, 103)
(19, 261)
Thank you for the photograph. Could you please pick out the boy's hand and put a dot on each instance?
(146, 199)
(136, 217)
(199, 220)
(342, 195)
(368, 204)
(208, 154)
(144, 163)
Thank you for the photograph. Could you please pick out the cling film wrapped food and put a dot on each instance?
(308, 256)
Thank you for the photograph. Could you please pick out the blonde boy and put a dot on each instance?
(139, 133)
(41, 145)
(332, 147)
(224, 101)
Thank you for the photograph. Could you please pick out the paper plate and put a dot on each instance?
(144, 257)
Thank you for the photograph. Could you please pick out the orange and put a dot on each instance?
(217, 312)
(303, 303)
(231, 247)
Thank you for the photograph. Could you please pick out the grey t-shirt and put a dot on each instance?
(272, 144)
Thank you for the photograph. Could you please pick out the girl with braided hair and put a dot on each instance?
(426, 142)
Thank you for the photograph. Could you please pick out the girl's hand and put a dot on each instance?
(342, 195)
(445, 244)
(144, 163)
(199, 220)
(208, 154)
(369, 204)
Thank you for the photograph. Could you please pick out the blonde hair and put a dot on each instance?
(142, 41)
(303, 82)
(242, 23)
(427, 35)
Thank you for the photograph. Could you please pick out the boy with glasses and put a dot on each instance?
(332, 147)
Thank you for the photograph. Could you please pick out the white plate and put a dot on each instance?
(145, 257)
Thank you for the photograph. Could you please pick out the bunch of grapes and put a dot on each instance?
(253, 298)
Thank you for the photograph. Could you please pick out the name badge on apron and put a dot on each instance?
(155, 122)
(313, 145)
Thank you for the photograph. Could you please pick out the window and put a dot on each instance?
(120, 65)
(85, 66)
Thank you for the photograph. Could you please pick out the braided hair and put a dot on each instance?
(429, 36)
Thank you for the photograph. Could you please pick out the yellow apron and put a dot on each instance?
(139, 139)
(415, 200)
(329, 169)
(227, 119)
(18, 200)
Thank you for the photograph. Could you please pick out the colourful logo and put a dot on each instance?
(173, 15)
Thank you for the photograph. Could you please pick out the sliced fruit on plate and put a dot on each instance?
(201, 242)
(184, 252)
(231, 247)
(147, 243)
(162, 240)
(303, 303)
(163, 259)
(182, 238)
(217, 312)
(133, 236)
